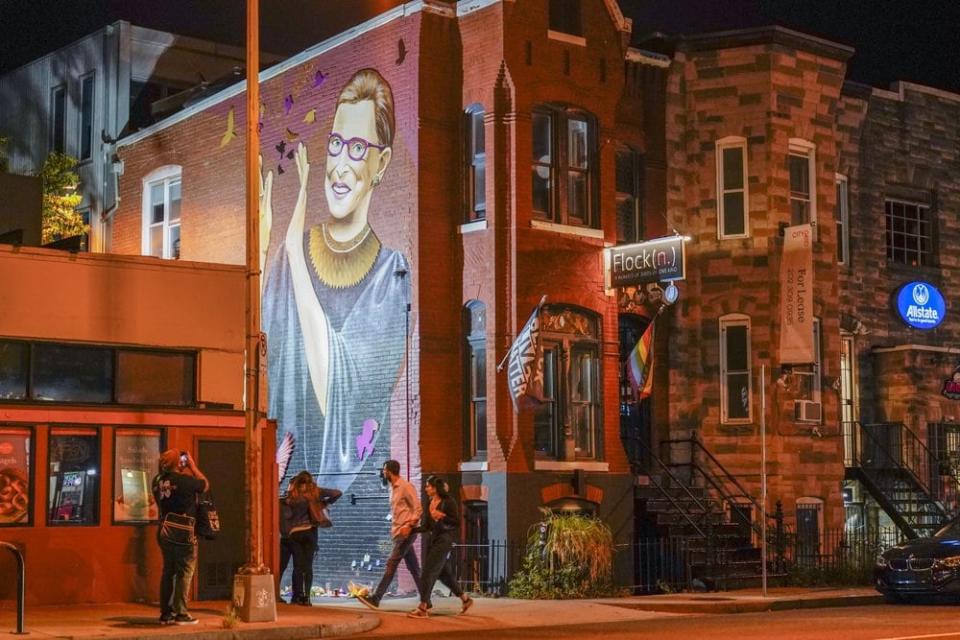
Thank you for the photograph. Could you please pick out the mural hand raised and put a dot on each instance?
(266, 216)
(294, 239)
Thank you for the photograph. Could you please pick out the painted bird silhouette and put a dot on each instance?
(231, 130)
(318, 78)
(401, 51)
(365, 440)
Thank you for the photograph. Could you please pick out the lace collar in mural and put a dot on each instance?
(342, 264)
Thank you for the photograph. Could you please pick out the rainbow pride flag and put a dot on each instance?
(640, 364)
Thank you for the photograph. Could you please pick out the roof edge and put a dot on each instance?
(771, 34)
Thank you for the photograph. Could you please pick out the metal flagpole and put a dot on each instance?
(763, 478)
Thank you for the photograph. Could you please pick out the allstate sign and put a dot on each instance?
(921, 305)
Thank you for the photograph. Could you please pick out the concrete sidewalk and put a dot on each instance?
(339, 617)
(751, 600)
(130, 621)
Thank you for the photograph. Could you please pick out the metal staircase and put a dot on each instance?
(910, 484)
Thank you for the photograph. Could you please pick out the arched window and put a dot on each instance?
(571, 385)
(475, 169)
(565, 175)
(475, 393)
(161, 213)
(736, 397)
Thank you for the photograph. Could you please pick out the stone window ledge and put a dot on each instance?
(570, 465)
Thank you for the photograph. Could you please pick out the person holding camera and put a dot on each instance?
(176, 490)
(306, 511)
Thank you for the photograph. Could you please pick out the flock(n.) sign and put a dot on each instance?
(660, 260)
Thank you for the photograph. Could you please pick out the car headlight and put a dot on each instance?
(950, 562)
(881, 562)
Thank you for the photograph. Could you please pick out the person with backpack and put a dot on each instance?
(441, 521)
(176, 489)
(305, 511)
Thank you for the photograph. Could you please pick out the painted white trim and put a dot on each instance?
(569, 465)
(306, 55)
(474, 465)
(162, 175)
(568, 229)
(732, 142)
(466, 7)
(569, 38)
(735, 320)
(844, 218)
(470, 227)
(801, 147)
(915, 347)
(651, 58)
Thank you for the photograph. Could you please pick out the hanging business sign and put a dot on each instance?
(951, 387)
(796, 296)
(660, 260)
(921, 305)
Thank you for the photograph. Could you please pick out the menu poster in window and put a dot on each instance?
(135, 463)
(14, 476)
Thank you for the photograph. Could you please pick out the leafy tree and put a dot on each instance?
(60, 198)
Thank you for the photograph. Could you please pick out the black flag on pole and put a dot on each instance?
(525, 361)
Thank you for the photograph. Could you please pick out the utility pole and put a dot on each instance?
(254, 594)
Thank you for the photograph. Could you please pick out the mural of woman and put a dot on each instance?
(335, 298)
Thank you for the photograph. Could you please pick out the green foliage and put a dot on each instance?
(842, 575)
(568, 556)
(60, 198)
(231, 619)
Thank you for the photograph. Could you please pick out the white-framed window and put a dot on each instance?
(736, 376)
(809, 375)
(476, 165)
(802, 165)
(909, 232)
(848, 378)
(475, 393)
(842, 216)
(58, 119)
(85, 144)
(161, 213)
(732, 196)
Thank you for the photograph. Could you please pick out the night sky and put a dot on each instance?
(913, 40)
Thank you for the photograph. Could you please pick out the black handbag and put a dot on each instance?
(208, 520)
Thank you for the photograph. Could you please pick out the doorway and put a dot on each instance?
(222, 461)
(636, 417)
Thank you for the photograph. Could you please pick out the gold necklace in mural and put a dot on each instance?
(342, 264)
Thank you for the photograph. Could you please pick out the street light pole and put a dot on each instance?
(254, 594)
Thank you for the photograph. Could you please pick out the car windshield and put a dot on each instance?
(951, 530)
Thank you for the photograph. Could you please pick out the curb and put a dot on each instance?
(753, 605)
(362, 623)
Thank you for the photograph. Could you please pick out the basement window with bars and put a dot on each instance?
(735, 370)
(909, 233)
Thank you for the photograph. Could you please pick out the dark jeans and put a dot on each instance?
(303, 545)
(436, 565)
(179, 563)
(286, 552)
(402, 550)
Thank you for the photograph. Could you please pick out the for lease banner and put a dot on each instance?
(796, 296)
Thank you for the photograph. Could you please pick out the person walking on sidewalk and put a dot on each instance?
(176, 490)
(441, 522)
(405, 511)
(306, 509)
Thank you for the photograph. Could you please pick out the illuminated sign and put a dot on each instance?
(921, 305)
(659, 260)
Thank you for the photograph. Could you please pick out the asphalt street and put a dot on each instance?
(880, 622)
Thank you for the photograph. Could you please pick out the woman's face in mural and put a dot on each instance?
(349, 181)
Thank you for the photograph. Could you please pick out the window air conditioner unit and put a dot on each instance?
(807, 411)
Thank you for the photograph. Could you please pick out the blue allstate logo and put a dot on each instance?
(921, 295)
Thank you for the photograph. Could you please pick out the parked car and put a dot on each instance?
(921, 568)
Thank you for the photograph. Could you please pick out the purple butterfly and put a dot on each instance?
(318, 78)
(288, 104)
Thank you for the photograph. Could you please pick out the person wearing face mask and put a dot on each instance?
(335, 299)
(405, 512)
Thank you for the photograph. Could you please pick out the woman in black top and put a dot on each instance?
(441, 521)
(302, 530)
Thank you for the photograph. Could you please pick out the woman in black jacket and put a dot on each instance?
(302, 530)
(441, 521)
